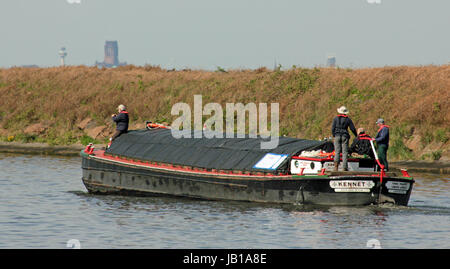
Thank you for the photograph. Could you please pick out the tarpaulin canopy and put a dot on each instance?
(211, 153)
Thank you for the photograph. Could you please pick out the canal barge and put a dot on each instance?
(297, 171)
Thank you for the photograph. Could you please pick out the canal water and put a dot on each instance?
(43, 204)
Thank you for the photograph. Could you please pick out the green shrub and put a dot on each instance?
(220, 69)
(85, 140)
(441, 135)
(24, 138)
(427, 138)
(398, 150)
(436, 155)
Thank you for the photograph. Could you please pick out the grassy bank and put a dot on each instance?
(72, 105)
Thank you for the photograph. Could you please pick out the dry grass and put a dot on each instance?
(416, 99)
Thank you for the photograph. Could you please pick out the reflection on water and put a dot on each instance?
(43, 204)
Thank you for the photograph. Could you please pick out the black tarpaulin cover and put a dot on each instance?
(212, 153)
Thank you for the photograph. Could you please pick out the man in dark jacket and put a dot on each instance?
(121, 121)
(382, 140)
(339, 129)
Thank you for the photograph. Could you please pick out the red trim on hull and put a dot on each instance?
(326, 159)
(100, 154)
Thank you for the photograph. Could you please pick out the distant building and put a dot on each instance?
(62, 55)
(111, 55)
(331, 61)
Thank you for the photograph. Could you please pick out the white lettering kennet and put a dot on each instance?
(351, 185)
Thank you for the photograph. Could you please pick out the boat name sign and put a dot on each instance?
(351, 185)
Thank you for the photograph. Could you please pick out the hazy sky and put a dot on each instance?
(205, 34)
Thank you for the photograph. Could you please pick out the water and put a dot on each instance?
(43, 204)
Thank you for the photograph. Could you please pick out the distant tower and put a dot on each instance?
(111, 56)
(111, 53)
(331, 61)
(62, 55)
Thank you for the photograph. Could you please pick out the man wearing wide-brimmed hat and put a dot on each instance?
(339, 129)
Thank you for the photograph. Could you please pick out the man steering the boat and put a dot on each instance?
(121, 121)
(339, 129)
(382, 140)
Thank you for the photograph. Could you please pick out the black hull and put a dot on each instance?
(117, 177)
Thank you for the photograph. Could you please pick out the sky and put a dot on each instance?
(231, 34)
